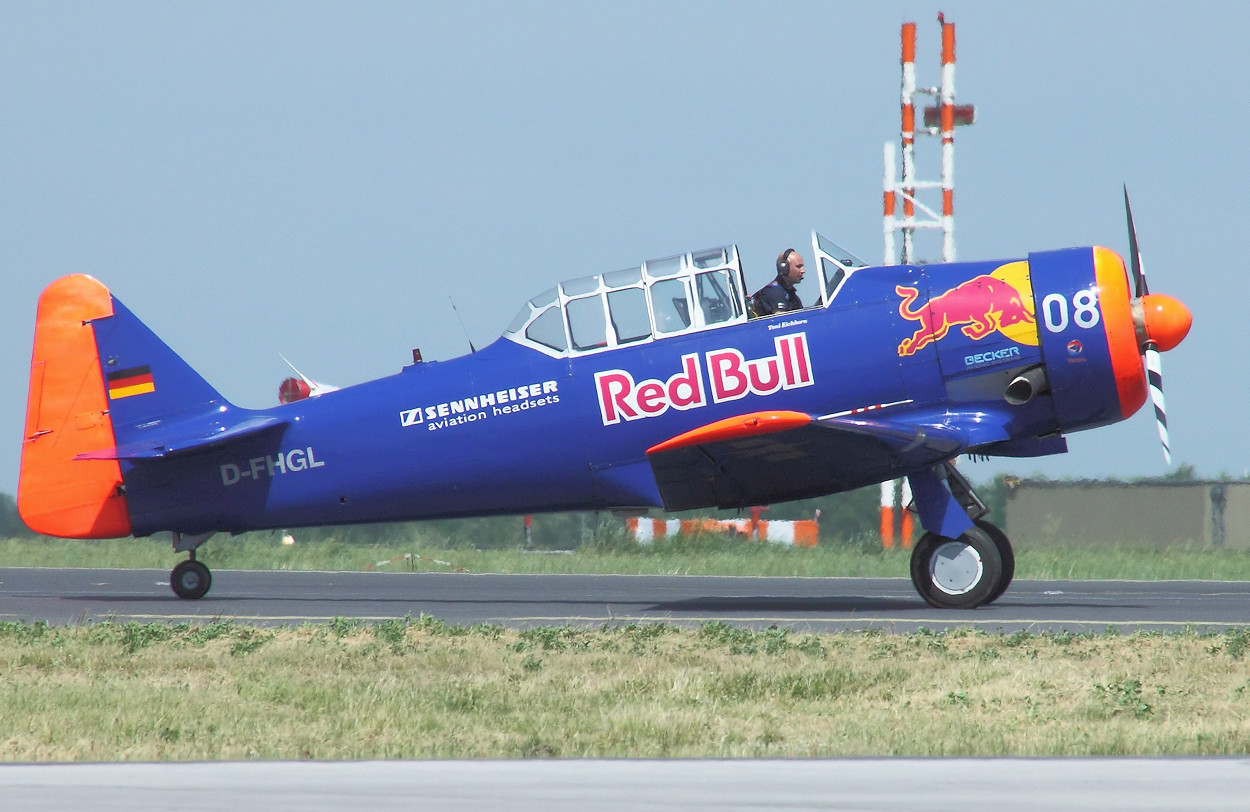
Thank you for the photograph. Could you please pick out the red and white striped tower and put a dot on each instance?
(947, 106)
(896, 522)
(908, 137)
(889, 198)
(940, 119)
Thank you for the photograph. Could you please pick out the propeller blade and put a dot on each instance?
(1172, 328)
(1139, 276)
(1154, 375)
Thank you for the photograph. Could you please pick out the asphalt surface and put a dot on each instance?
(897, 785)
(62, 596)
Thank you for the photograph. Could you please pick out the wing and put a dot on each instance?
(766, 457)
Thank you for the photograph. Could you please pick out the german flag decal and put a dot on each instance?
(127, 382)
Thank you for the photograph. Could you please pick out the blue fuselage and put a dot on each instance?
(511, 429)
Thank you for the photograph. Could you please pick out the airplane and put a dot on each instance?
(651, 386)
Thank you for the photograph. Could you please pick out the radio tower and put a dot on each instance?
(940, 119)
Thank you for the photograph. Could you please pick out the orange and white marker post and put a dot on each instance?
(887, 514)
(798, 533)
(897, 523)
(906, 520)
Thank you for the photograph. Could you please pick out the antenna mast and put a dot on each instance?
(939, 119)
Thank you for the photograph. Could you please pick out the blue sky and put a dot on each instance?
(315, 179)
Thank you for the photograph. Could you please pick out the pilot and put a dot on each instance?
(779, 295)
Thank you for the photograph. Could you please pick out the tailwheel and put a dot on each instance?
(1005, 553)
(960, 573)
(190, 580)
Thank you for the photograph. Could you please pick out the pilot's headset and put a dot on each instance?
(783, 262)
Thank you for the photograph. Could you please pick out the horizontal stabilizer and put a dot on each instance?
(196, 439)
(767, 457)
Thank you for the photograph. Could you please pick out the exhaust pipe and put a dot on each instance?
(1027, 385)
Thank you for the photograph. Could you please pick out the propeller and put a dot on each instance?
(1161, 321)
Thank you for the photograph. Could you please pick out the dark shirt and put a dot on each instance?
(775, 297)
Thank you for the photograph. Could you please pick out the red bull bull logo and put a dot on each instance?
(1001, 302)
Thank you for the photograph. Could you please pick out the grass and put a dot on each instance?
(419, 688)
(706, 555)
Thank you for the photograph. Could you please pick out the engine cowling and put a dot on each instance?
(1093, 333)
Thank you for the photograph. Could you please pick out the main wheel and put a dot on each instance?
(1005, 553)
(957, 573)
(190, 580)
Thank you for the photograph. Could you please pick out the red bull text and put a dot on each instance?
(730, 375)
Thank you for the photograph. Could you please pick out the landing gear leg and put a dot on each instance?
(190, 579)
(963, 561)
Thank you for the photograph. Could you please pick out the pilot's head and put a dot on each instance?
(790, 265)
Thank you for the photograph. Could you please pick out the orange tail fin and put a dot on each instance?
(67, 414)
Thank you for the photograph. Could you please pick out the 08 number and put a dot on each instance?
(1083, 311)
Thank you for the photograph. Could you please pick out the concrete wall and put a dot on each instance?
(1237, 516)
(1147, 515)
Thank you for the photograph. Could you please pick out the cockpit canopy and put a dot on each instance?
(660, 298)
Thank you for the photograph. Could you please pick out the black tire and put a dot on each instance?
(956, 573)
(1005, 553)
(190, 580)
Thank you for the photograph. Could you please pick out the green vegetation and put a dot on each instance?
(419, 688)
(599, 544)
(10, 523)
(608, 550)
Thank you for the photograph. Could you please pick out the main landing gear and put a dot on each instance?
(191, 579)
(971, 569)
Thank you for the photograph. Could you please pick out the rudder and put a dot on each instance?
(67, 414)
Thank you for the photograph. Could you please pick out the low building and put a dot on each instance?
(1214, 513)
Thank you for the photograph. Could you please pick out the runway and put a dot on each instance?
(966, 785)
(63, 596)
